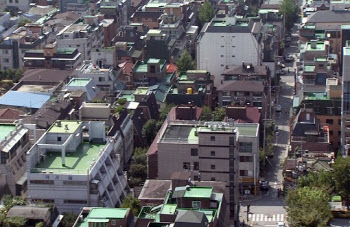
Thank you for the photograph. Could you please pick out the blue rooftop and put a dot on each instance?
(23, 99)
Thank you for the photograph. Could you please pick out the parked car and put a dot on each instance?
(289, 58)
(264, 185)
(278, 108)
(280, 72)
(280, 224)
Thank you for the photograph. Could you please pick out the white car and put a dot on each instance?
(280, 224)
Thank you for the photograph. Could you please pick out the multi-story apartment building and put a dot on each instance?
(345, 117)
(214, 151)
(78, 6)
(245, 85)
(84, 35)
(236, 40)
(159, 45)
(149, 72)
(14, 143)
(22, 5)
(13, 48)
(74, 165)
(104, 78)
(119, 10)
(52, 57)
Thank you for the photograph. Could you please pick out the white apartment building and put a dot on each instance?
(83, 35)
(74, 165)
(22, 5)
(104, 78)
(228, 41)
(211, 151)
(14, 143)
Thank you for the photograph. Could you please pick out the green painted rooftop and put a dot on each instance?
(169, 209)
(79, 82)
(76, 162)
(247, 129)
(309, 68)
(65, 126)
(199, 192)
(113, 213)
(153, 61)
(65, 50)
(5, 129)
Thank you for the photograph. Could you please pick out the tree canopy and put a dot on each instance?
(289, 9)
(132, 203)
(341, 174)
(206, 12)
(308, 207)
(185, 62)
(217, 115)
(149, 131)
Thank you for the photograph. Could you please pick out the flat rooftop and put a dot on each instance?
(199, 192)
(35, 88)
(103, 215)
(180, 133)
(64, 127)
(247, 129)
(141, 91)
(320, 46)
(81, 159)
(5, 129)
(79, 82)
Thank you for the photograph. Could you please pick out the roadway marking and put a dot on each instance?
(266, 218)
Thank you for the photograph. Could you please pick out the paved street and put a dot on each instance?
(270, 208)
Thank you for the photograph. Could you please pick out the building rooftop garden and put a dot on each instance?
(65, 126)
(78, 82)
(98, 214)
(77, 162)
(5, 129)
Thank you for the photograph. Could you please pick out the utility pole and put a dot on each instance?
(248, 209)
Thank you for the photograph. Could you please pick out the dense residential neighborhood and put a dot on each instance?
(161, 113)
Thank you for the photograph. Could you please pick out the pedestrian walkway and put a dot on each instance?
(266, 218)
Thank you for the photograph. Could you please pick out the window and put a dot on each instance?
(245, 158)
(59, 138)
(331, 132)
(75, 201)
(153, 69)
(222, 46)
(339, 121)
(196, 204)
(194, 152)
(233, 56)
(113, 222)
(339, 133)
(222, 56)
(212, 167)
(243, 173)
(196, 166)
(212, 179)
(226, 93)
(212, 138)
(186, 165)
(196, 178)
(6, 60)
(5, 51)
(245, 147)
(329, 121)
(212, 153)
(16, 1)
(101, 79)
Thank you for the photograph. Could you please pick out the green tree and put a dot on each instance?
(140, 156)
(289, 9)
(206, 12)
(149, 131)
(132, 203)
(23, 22)
(341, 173)
(138, 171)
(185, 62)
(322, 180)
(308, 207)
(164, 112)
(219, 114)
(206, 114)
(15, 221)
(68, 219)
(39, 224)
(122, 101)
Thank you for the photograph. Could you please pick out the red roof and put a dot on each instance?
(10, 115)
(248, 114)
(171, 68)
